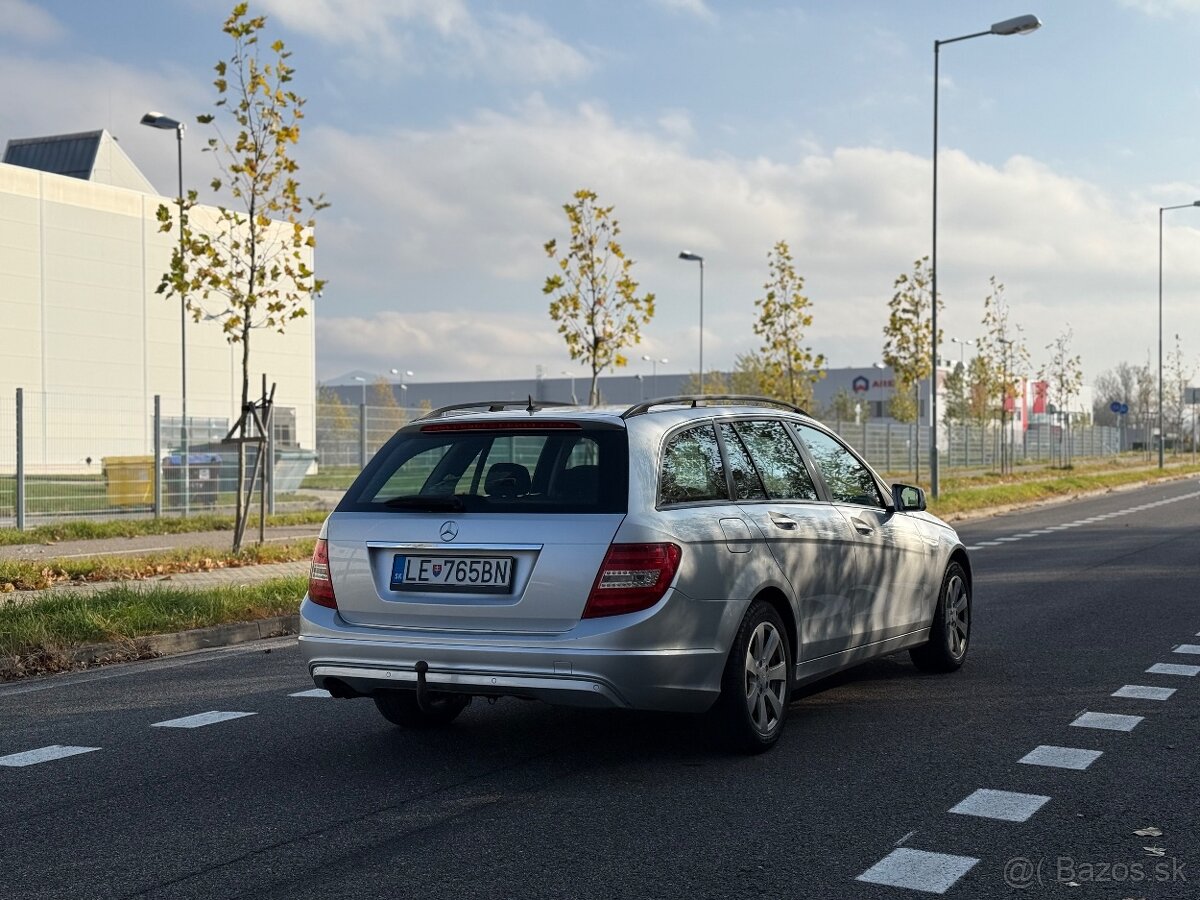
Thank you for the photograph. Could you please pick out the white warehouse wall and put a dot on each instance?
(83, 332)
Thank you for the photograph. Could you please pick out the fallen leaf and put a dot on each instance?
(1149, 831)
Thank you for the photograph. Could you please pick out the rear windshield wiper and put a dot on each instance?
(428, 502)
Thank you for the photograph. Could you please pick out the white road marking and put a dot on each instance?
(918, 870)
(1027, 534)
(1042, 531)
(43, 754)
(200, 719)
(1143, 692)
(1188, 648)
(1004, 805)
(1173, 669)
(1107, 721)
(315, 692)
(1060, 757)
(1007, 539)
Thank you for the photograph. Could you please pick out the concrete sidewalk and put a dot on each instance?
(149, 543)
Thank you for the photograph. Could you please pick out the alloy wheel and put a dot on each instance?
(766, 677)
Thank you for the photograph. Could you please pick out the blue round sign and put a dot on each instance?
(1124, 408)
(1115, 406)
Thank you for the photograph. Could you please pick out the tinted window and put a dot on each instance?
(746, 483)
(567, 470)
(692, 469)
(778, 461)
(847, 479)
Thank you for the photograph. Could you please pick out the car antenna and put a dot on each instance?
(531, 409)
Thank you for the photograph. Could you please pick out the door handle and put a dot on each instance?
(784, 522)
(861, 526)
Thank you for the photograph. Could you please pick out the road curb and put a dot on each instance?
(186, 641)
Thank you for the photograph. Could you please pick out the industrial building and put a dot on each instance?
(86, 336)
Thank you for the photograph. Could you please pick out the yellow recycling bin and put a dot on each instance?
(129, 480)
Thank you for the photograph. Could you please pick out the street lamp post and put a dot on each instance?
(158, 120)
(880, 367)
(1019, 25)
(962, 350)
(1004, 437)
(571, 375)
(695, 257)
(362, 424)
(403, 373)
(654, 371)
(1162, 435)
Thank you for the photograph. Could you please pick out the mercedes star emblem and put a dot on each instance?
(449, 531)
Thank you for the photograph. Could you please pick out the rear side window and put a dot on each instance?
(847, 479)
(563, 469)
(778, 461)
(692, 470)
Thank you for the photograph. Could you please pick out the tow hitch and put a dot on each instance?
(423, 701)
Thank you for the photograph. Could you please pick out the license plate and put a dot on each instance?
(453, 574)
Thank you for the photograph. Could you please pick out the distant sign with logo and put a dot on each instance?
(861, 385)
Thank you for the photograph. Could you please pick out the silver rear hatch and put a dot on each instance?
(480, 524)
(524, 574)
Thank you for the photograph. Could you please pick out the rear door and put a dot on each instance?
(890, 584)
(811, 541)
(480, 525)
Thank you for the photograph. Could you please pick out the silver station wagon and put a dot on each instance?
(687, 554)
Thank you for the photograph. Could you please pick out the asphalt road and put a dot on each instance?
(313, 797)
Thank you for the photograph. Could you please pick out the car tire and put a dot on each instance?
(401, 708)
(950, 633)
(757, 683)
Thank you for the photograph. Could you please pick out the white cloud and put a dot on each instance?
(447, 226)
(697, 8)
(27, 22)
(1163, 8)
(416, 35)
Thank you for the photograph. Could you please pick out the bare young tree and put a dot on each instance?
(1064, 376)
(594, 297)
(789, 369)
(908, 344)
(254, 254)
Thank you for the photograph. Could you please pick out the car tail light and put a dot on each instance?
(631, 578)
(320, 587)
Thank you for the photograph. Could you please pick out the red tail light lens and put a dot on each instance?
(320, 587)
(631, 578)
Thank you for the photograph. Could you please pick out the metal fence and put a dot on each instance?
(73, 455)
(76, 455)
(348, 436)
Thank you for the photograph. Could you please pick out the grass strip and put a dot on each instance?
(34, 575)
(979, 494)
(42, 630)
(83, 529)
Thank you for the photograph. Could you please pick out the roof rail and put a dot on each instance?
(491, 406)
(705, 400)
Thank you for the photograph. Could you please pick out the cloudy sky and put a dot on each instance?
(448, 134)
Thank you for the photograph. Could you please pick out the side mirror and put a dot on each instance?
(908, 498)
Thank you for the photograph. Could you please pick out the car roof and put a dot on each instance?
(663, 413)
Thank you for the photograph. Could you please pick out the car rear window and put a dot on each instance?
(477, 467)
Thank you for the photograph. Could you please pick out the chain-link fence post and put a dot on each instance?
(157, 456)
(269, 471)
(362, 435)
(19, 487)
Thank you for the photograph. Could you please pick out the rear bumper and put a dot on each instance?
(348, 659)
